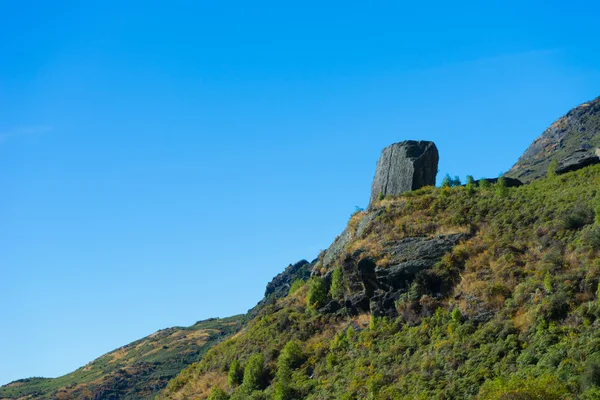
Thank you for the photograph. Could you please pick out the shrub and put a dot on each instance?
(577, 217)
(447, 181)
(552, 167)
(545, 387)
(255, 375)
(296, 284)
(218, 394)
(236, 374)
(591, 373)
(317, 293)
(337, 284)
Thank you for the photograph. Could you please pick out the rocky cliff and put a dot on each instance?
(577, 131)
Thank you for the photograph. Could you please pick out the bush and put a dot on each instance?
(296, 284)
(255, 375)
(577, 217)
(591, 373)
(317, 293)
(545, 387)
(337, 284)
(218, 394)
(236, 374)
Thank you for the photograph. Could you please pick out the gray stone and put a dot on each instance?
(375, 289)
(403, 167)
(576, 160)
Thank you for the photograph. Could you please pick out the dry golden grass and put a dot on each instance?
(200, 388)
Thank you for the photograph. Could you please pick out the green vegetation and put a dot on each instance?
(337, 284)
(135, 371)
(510, 313)
(317, 293)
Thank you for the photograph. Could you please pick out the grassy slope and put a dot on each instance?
(580, 126)
(519, 317)
(135, 371)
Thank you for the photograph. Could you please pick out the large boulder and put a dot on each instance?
(403, 167)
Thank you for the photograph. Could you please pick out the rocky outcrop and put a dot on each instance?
(280, 285)
(404, 166)
(375, 289)
(576, 160)
(579, 128)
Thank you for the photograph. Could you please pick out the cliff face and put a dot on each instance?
(578, 129)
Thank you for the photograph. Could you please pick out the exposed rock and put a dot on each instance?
(510, 182)
(578, 159)
(403, 167)
(579, 128)
(280, 285)
(339, 244)
(375, 289)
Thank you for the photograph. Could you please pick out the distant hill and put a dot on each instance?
(579, 128)
(135, 371)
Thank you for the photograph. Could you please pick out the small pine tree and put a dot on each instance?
(254, 373)
(337, 284)
(236, 374)
(317, 293)
(552, 167)
(456, 181)
(218, 394)
(447, 181)
(470, 185)
(501, 187)
(456, 315)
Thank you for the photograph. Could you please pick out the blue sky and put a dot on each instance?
(162, 161)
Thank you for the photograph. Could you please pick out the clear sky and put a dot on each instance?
(162, 161)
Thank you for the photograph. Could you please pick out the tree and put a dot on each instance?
(317, 293)
(236, 374)
(447, 182)
(254, 373)
(552, 167)
(218, 394)
(501, 186)
(337, 284)
(470, 185)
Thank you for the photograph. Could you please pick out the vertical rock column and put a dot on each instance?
(403, 167)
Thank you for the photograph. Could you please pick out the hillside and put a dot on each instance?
(135, 371)
(579, 128)
(510, 310)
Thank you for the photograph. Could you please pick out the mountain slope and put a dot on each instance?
(579, 128)
(511, 310)
(135, 371)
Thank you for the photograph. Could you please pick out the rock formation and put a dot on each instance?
(579, 128)
(404, 166)
(576, 160)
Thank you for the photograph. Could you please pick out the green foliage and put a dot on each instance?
(147, 364)
(380, 196)
(291, 358)
(296, 284)
(447, 181)
(501, 187)
(236, 374)
(552, 168)
(470, 186)
(591, 373)
(317, 293)
(337, 288)
(525, 284)
(255, 375)
(545, 387)
(218, 394)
